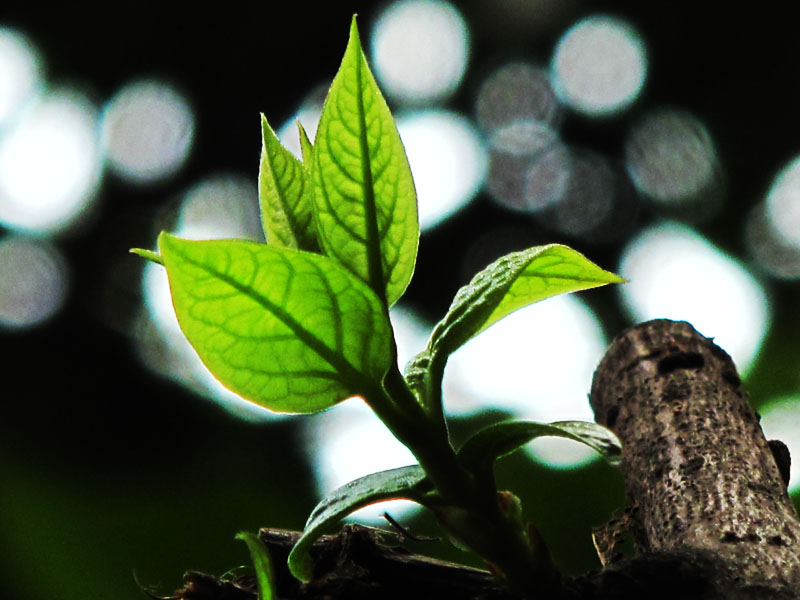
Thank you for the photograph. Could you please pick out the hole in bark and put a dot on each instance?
(776, 540)
(611, 416)
(681, 360)
(730, 538)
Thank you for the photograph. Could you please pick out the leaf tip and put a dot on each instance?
(306, 147)
(354, 37)
(154, 257)
(299, 563)
(267, 132)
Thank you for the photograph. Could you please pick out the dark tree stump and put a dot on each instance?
(697, 468)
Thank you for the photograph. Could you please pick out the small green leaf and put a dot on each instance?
(285, 195)
(508, 284)
(262, 565)
(479, 452)
(512, 282)
(366, 206)
(306, 147)
(289, 330)
(404, 482)
(148, 254)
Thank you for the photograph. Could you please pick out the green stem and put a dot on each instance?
(467, 508)
(427, 438)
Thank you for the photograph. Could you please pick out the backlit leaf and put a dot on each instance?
(306, 147)
(366, 206)
(500, 439)
(404, 482)
(262, 564)
(508, 284)
(285, 195)
(289, 330)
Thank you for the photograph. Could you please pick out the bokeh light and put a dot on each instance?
(147, 131)
(50, 163)
(772, 252)
(33, 281)
(348, 442)
(221, 206)
(529, 166)
(568, 190)
(20, 73)
(780, 420)
(448, 161)
(517, 92)
(671, 159)
(599, 66)
(783, 204)
(536, 363)
(420, 49)
(675, 273)
(587, 202)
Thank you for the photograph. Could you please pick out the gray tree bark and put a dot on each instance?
(700, 475)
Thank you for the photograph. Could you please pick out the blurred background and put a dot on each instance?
(662, 141)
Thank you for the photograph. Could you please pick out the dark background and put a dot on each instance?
(109, 471)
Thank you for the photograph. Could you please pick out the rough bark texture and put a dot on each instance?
(711, 518)
(700, 475)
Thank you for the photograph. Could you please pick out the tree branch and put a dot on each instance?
(697, 468)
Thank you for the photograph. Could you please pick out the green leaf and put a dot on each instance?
(262, 565)
(479, 452)
(512, 282)
(366, 206)
(305, 147)
(404, 482)
(289, 330)
(285, 195)
(508, 284)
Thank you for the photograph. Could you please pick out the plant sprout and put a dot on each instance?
(302, 322)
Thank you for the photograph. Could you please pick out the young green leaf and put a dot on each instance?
(512, 282)
(508, 284)
(366, 206)
(480, 451)
(291, 331)
(306, 147)
(262, 565)
(285, 195)
(404, 482)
